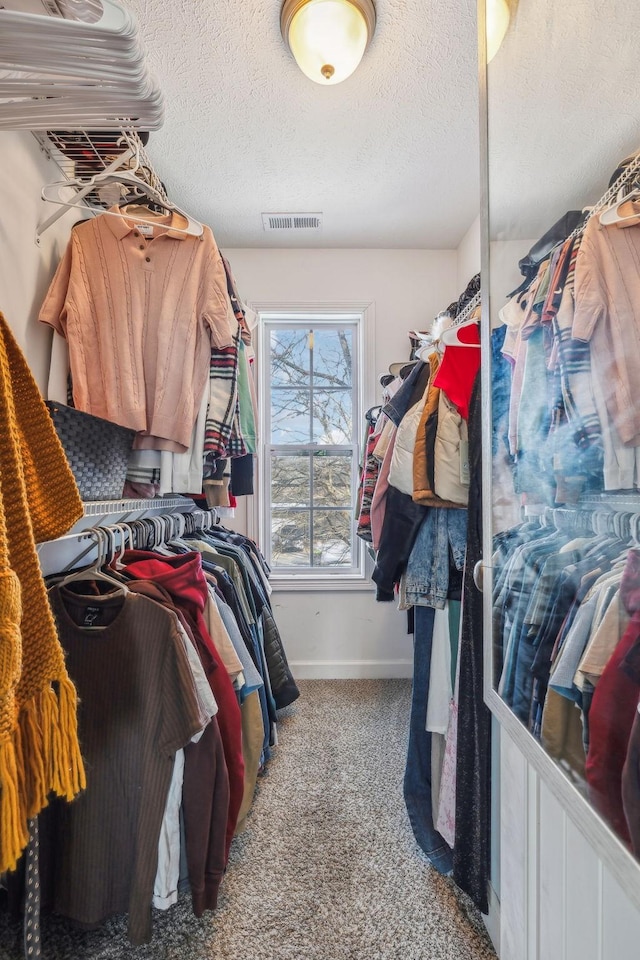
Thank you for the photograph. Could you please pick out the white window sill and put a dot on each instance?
(300, 584)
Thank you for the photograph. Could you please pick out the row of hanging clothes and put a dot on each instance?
(416, 443)
(170, 641)
(420, 512)
(567, 648)
(150, 333)
(566, 436)
(566, 424)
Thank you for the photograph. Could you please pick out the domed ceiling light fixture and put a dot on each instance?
(497, 22)
(327, 37)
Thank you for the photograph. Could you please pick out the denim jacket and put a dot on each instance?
(427, 576)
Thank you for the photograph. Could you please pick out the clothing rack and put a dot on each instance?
(628, 502)
(84, 155)
(623, 524)
(75, 63)
(627, 176)
(129, 523)
(143, 533)
(465, 314)
(197, 639)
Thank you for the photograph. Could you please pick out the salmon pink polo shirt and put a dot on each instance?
(607, 315)
(141, 306)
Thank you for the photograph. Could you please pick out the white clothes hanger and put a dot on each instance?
(126, 540)
(162, 536)
(622, 210)
(181, 525)
(62, 73)
(139, 213)
(426, 349)
(82, 111)
(96, 571)
(450, 337)
(115, 19)
(470, 314)
(52, 192)
(131, 153)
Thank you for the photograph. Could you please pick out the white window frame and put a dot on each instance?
(362, 316)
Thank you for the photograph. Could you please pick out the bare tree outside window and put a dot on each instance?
(312, 444)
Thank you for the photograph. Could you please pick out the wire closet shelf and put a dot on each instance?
(82, 155)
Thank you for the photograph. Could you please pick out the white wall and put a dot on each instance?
(337, 633)
(468, 255)
(408, 287)
(26, 268)
(504, 274)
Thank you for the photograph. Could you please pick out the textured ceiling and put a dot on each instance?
(390, 156)
(563, 110)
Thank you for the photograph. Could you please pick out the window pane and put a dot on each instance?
(332, 538)
(309, 394)
(290, 357)
(331, 480)
(332, 416)
(290, 538)
(290, 485)
(332, 357)
(290, 416)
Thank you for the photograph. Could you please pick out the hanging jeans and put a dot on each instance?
(417, 778)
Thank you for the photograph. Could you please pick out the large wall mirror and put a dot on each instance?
(563, 216)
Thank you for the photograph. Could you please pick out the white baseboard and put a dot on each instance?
(351, 669)
(492, 920)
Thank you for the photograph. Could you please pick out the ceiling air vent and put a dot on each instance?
(292, 221)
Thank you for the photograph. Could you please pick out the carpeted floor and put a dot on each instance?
(327, 869)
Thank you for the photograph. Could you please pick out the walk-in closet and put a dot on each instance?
(319, 500)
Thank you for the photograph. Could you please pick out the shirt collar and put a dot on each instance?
(121, 226)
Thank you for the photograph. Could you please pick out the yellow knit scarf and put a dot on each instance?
(39, 500)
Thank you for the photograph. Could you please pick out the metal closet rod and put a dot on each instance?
(162, 526)
(622, 522)
(125, 519)
(473, 304)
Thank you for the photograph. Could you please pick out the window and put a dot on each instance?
(310, 451)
